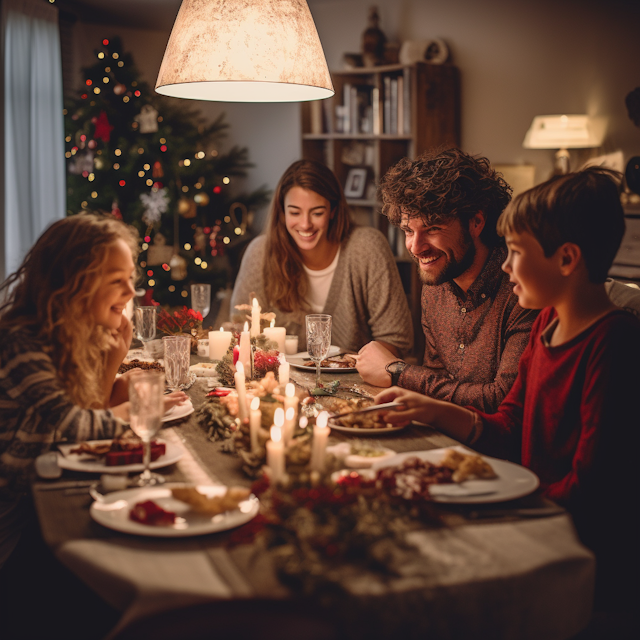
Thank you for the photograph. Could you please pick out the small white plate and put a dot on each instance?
(113, 512)
(89, 464)
(363, 432)
(179, 411)
(513, 481)
(354, 461)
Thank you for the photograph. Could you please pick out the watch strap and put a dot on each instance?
(394, 369)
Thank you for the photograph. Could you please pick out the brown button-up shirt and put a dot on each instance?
(473, 341)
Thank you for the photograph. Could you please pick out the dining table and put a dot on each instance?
(511, 569)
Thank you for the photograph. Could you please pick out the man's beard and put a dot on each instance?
(453, 268)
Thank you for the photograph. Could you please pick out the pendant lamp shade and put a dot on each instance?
(244, 51)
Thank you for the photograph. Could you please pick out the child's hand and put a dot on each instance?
(417, 407)
(173, 399)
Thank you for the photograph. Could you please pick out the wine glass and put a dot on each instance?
(201, 298)
(146, 390)
(318, 339)
(146, 325)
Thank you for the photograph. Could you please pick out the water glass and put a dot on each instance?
(146, 390)
(146, 324)
(177, 350)
(318, 339)
(201, 298)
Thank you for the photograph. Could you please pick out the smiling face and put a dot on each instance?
(116, 286)
(443, 252)
(307, 216)
(538, 280)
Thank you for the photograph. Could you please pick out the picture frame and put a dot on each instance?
(356, 183)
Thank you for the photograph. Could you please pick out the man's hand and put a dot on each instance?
(371, 362)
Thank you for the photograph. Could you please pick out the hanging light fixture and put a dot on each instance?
(244, 51)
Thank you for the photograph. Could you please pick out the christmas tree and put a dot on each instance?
(155, 163)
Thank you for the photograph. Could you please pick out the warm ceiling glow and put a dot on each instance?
(244, 51)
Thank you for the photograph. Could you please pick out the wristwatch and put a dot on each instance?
(394, 369)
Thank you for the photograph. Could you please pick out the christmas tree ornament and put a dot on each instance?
(82, 163)
(201, 199)
(103, 128)
(187, 208)
(148, 119)
(157, 171)
(199, 240)
(119, 89)
(159, 252)
(115, 210)
(98, 163)
(155, 204)
(178, 267)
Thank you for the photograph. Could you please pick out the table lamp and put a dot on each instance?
(564, 132)
(244, 51)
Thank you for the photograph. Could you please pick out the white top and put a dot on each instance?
(319, 285)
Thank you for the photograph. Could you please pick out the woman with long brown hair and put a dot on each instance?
(313, 260)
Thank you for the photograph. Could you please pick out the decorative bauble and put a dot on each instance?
(119, 89)
(98, 163)
(187, 208)
(148, 119)
(201, 199)
(178, 267)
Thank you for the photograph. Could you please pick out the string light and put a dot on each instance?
(226, 240)
(198, 260)
(172, 288)
(91, 177)
(118, 152)
(184, 294)
(162, 140)
(115, 56)
(120, 63)
(227, 219)
(149, 182)
(100, 55)
(185, 189)
(187, 162)
(152, 283)
(146, 166)
(187, 246)
(96, 90)
(105, 80)
(145, 246)
(140, 174)
(116, 166)
(125, 99)
(226, 180)
(94, 194)
(203, 264)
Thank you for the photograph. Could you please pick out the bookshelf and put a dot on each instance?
(378, 116)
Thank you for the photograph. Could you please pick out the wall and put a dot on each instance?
(517, 60)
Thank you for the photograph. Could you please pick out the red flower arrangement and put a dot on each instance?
(183, 320)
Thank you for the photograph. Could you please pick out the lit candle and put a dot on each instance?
(291, 345)
(277, 335)
(283, 373)
(290, 410)
(219, 342)
(238, 377)
(320, 437)
(255, 318)
(255, 417)
(245, 348)
(275, 450)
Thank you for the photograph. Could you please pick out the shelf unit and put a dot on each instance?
(391, 112)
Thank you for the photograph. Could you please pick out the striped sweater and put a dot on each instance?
(35, 411)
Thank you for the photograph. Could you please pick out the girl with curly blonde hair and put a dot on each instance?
(63, 335)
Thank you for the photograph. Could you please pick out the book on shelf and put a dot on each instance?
(386, 107)
(400, 108)
(375, 111)
(406, 86)
(393, 116)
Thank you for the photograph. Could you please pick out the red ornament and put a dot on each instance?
(103, 128)
(115, 210)
(236, 354)
(217, 189)
(157, 171)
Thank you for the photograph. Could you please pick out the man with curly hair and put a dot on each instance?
(448, 202)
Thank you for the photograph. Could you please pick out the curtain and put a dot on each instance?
(34, 169)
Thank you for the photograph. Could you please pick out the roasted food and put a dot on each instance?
(334, 362)
(120, 451)
(139, 364)
(372, 420)
(467, 465)
(211, 506)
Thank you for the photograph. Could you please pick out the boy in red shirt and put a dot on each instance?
(571, 415)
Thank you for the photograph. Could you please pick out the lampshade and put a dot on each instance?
(244, 51)
(565, 132)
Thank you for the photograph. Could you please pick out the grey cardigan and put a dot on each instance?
(366, 298)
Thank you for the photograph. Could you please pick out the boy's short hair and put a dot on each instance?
(582, 207)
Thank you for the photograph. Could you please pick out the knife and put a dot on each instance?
(374, 407)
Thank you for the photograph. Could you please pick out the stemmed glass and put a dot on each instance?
(201, 298)
(318, 339)
(146, 325)
(146, 390)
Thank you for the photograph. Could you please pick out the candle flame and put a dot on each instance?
(278, 417)
(221, 329)
(239, 367)
(273, 323)
(291, 412)
(303, 422)
(276, 434)
(290, 390)
(255, 404)
(246, 326)
(322, 419)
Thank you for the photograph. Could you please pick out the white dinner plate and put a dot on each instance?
(113, 512)
(89, 464)
(179, 411)
(298, 359)
(513, 481)
(363, 432)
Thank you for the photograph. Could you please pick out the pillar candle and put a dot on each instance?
(238, 377)
(245, 348)
(277, 335)
(283, 373)
(290, 403)
(275, 448)
(255, 318)
(320, 437)
(219, 342)
(255, 417)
